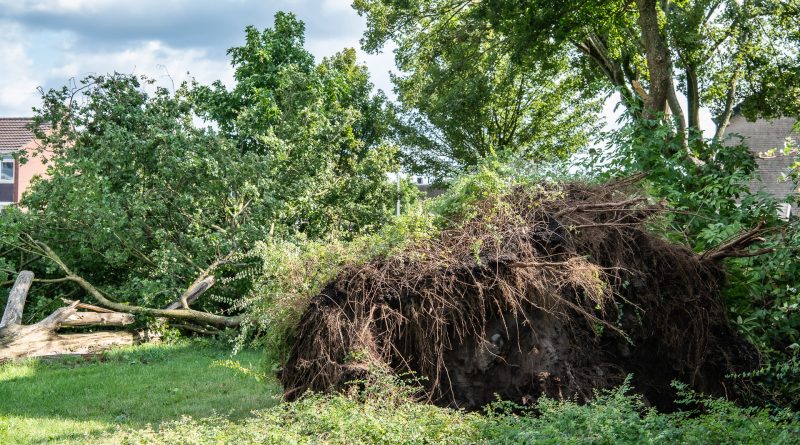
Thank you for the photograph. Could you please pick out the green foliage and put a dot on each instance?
(140, 200)
(137, 197)
(717, 54)
(464, 98)
(322, 131)
(389, 416)
(764, 301)
(615, 417)
(707, 190)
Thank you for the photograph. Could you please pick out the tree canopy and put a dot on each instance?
(150, 190)
(715, 53)
(466, 101)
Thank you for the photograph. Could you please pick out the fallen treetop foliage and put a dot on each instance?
(549, 290)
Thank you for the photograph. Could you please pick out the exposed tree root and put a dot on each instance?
(551, 291)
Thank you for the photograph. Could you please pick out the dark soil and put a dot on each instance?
(554, 291)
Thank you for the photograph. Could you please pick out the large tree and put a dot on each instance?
(322, 128)
(715, 53)
(142, 204)
(467, 101)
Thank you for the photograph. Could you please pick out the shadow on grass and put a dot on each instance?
(54, 402)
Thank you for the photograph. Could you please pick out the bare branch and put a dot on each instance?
(177, 314)
(736, 247)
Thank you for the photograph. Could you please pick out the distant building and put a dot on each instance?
(15, 178)
(425, 185)
(762, 136)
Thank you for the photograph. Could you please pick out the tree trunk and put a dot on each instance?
(658, 61)
(693, 98)
(16, 300)
(41, 339)
(44, 343)
(94, 318)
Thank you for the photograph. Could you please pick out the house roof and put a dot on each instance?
(14, 133)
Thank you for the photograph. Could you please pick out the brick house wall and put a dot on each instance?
(15, 136)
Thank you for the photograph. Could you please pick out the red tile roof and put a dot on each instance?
(14, 133)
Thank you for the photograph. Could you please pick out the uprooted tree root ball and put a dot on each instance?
(550, 290)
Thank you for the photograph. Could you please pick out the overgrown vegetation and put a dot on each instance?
(386, 415)
(283, 193)
(141, 202)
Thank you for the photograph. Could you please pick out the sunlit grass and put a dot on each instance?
(69, 400)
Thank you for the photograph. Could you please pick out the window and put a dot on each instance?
(419, 179)
(7, 169)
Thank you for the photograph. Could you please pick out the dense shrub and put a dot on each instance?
(706, 185)
(141, 199)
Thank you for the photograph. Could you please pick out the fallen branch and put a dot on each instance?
(90, 307)
(40, 339)
(193, 293)
(190, 315)
(736, 248)
(197, 329)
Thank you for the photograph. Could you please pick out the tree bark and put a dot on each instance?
(658, 60)
(44, 343)
(725, 118)
(41, 339)
(16, 300)
(677, 110)
(693, 97)
(98, 319)
(193, 293)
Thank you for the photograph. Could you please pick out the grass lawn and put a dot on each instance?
(69, 401)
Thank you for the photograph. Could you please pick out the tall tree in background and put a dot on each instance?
(323, 129)
(467, 102)
(649, 51)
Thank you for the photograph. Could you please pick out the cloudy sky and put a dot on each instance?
(49, 42)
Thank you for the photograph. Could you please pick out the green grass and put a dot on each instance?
(193, 394)
(70, 401)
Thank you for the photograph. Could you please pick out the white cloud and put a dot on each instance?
(153, 58)
(18, 80)
(51, 42)
(81, 6)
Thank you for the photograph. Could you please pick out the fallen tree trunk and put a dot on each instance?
(41, 339)
(98, 319)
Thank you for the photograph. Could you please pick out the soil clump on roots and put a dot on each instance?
(552, 290)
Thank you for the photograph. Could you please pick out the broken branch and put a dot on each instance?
(736, 247)
(177, 314)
